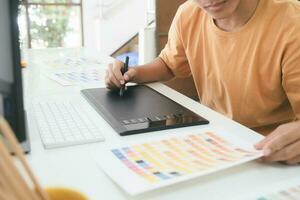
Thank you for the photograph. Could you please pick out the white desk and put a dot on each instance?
(75, 166)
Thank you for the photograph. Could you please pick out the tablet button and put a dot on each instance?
(158, 118)
(153, 119)
(169, 116)
(177, 115)
(134, 121)
(141, 120)
(146, 119)
(126, 122)
(162, 117)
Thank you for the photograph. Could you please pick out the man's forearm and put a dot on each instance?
(154, 71)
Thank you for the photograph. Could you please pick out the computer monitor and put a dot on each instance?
(11, 92)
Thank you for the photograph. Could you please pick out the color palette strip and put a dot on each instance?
(173, 157)
(292, 193)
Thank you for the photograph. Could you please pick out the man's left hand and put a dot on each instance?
(283, 144)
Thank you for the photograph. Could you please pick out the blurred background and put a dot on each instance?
(103, 24)
(117, 28)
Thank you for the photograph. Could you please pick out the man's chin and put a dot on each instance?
(218, 16)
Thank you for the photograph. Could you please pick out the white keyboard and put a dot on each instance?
(65, 123)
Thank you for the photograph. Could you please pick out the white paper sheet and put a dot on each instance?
(148, 165)
(75, 77)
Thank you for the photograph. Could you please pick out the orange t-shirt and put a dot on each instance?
(251, 75)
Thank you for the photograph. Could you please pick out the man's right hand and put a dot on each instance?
(114, 78)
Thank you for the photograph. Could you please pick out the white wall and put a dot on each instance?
(147, 47)
(108, 29)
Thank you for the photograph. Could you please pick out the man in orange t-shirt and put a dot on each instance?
(244, 56)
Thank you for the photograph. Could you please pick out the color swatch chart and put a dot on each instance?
(167, 159)
(292, 193)
(86, 76)
(75, 61)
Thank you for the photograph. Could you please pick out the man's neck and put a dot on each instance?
(240, 17)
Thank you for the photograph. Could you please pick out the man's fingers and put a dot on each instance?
(117, 66)
(112, 79)
(129, 75)
(287, 153)
(107, 81)
(271, 136)
(282, 137)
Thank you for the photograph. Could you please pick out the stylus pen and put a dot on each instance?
(124, 70)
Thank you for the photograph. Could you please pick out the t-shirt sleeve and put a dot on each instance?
(173, 53)
(291, 70)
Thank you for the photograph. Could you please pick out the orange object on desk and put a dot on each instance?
(64, 194)
(24, 63)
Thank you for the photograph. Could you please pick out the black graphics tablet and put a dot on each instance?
(141, 109)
